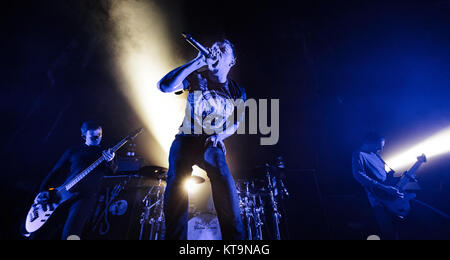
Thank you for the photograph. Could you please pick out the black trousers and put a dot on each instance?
(79, 214)
(185, 152)
(387, 224)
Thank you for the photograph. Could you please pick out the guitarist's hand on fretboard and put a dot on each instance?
(108, 155)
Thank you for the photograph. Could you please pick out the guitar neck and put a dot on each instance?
(406, 178)
(83, 174)
(88, 170)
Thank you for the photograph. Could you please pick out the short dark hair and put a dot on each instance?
(372, 138)
(224, 41)
(89, 125)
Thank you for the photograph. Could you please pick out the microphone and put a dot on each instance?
(197, 45)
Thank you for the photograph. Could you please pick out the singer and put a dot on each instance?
(211, 102)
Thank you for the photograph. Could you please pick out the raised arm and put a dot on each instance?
(173, 81)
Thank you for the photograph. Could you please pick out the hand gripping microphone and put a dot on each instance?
(197, 45)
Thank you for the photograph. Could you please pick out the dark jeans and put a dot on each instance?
(387, 224)
(185, 152)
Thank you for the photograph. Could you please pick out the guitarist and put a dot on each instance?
(72, 162)
(369, 171)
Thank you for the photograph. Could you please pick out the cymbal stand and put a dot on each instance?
(276, 213)
(153, 213)
(157, 224)
(258, 211)
(147, 210)
(247, 210)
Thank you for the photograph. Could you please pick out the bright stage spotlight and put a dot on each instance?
(143, 56)
(192, 184)
(436, 145)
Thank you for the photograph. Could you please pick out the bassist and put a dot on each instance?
(73, 161)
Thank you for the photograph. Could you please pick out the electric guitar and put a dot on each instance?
(401, 208)
(40, 212)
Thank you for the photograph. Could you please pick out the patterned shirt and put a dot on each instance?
(211, 107)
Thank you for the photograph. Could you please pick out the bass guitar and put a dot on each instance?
(401, 207)
(41, 211)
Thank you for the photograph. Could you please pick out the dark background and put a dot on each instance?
(339, 68)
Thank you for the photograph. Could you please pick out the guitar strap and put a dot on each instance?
(391, 174)
(387, 165)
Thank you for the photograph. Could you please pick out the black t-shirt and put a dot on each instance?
(75, 160)
(211, 106)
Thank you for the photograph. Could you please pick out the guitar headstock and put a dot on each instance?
(422, 158)
(135, 133)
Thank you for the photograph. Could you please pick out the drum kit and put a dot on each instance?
(152, 217)
(152, 211)
(260, 195)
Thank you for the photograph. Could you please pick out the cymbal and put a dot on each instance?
(260, 171)
(121, 177)
(275, 167)
(197, 179)
(155, 172)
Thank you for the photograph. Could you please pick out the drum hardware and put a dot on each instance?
(156, 217)
(153, 213)
(145, 216)
(276, 213)
(260, 194)
(252, 210)
(284, 189)
(153, 172)
(248, 211)
(258, 220)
